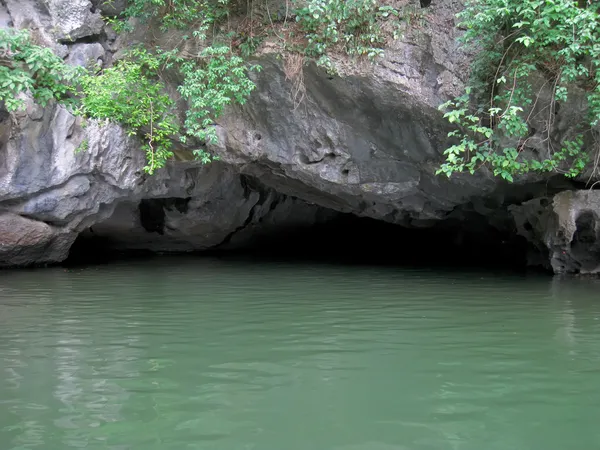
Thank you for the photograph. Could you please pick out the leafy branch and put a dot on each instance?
(26, 67)
(521, 39)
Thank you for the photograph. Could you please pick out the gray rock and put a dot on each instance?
(225, 212)
(564, 230)
(32, 15)
(5, 19)
(86, 55)
(74, 19)
(59, 193)
(24, 241)
(110, 7)
(354, 145)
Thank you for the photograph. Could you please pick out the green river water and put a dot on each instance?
(181, 353)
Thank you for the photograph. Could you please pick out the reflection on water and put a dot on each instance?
(210, 354)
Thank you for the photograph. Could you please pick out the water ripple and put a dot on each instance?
(210, 354)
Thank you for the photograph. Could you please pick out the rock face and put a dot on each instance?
(367, 142)
(564, 230)
(49, 193)
(357, 145)
(306, 148)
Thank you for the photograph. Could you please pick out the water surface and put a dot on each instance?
(211, 354)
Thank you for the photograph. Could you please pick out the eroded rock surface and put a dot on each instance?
(74, 19)
(58, 192)
(564, 230)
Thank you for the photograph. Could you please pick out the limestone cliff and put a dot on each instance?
(367, 142)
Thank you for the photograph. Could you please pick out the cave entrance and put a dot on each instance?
(342, 239)
(354, 240)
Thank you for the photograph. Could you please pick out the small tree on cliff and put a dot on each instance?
(519, 42)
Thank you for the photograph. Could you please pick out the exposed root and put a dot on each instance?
(293, 68)
(596, 163)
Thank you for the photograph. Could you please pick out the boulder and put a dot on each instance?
(26, 242)
(74, 19)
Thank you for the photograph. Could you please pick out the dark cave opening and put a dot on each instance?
(482, 232)
(349, 239)
(354, 240)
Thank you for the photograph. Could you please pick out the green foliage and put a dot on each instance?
(558, 39)
(130, 93)
(173, 14)
(352, 24)
(212, 79)
(249, 45)
(27, 67)
(211, 83)
(83, 146)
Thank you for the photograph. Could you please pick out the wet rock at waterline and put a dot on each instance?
(24, 241)
(564, 231)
